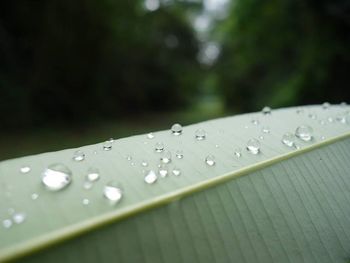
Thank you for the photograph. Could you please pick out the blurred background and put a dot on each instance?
(79, 72)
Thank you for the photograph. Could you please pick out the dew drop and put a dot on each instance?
(93, 174)
(343, 104)
(159, 147)
(163, 170)
(210, 160)
(237, 153)
(304, 133)
(7, 223)
(144, 163)
(113, 192)
(265, 129)
(166, 157)
(255, 121)
(150, 135)
(86, 201)
(176, 171)
(34, 196)
(176, 129)
(330, 119)
(253, 146)
(312, 116)
(87, 185)
(200, 134)
(179, 154)
(150, 177)
(111, 140)
(266, 110)
(25, 169)
(341, 119)
(19, 218)
(288, 139)
(129, 157)
(56, 177)
(78, 156)
(107, 146)
(326, 105)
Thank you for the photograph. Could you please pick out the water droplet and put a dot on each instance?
(87, 185)
(150, 135)
(78, 156)
(56, 177)
(129, 157)
(237, 153)
(144, 163)
(323, 138)
(210, 160)
(107, 146)
(111, 140)
(159, 147)
(288, 139)
(253, 146)
(200, 134)
(261, 137)
(93, 174)
(86, 201)
(163, 170)
(166, 157)
(179, 154)
(150, 177)
(7, 223)
(176, 171)
(34, 196)
(255, 121)
(25, 169)
(343, 104)
(326, 105)
(266, 110)
(304, 133)
(299, 111)
(322, 122)
(19, 218)
(176, 129)
(113, 192)
(312, 116)
(341, 119)
(265, 129)
(330, 119)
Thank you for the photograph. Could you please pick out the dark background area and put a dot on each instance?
(79, 72)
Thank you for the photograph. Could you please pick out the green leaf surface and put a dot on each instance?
(281, 205)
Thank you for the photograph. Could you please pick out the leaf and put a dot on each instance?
(281, 205)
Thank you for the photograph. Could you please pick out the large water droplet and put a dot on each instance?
(107, 146)
(150, 135)
(176, 129)
(159, 147)
(200, 134)
(179, 154)
(288, 139)
(7, 223)
(56, 177)
(78, 156)
(166, 157)
(304, 133)
(210, 160)
(25, 169)
(253, 146)
(176, 171)
(266, 110)
(19, 218)
(93, 174)
(150, 177)
(113, 192)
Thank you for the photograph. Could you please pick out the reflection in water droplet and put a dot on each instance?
(113, 192)
(253, 146)
(266, 110)
(237, 153)
(166, 157)
(19, 218)
(78, 156)
(176, 171)
(107, 146)
(159, 147)
(304, 133)
(150, 135)
(150, 177)
(179, 154)
(288, 139)
(7, 223)
(56, 177)
(265, 129)
(93, 174)
(200, 134)
(326, 105)
(86, 201)
(25, 169)
(34, 196)
(210, 160)
(176, 129)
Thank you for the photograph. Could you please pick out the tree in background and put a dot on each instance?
(284, 52)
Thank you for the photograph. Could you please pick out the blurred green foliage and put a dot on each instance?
(284, 52)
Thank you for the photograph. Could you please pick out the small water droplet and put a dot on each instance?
(144, 163)
(304, 133)
(343, 104)
(288, 139)
(93, 174)
(56, 177)
(299, 111)
(179, 154)
(322, 122)
(176, 129)
(7, 223)
(217, 146)
(266, 110)
(19, 218)
(312, 116)
(34, 196)
(326, 105)
(163, 170)
(200, 134)
(25, 169)
(265, 129)
(87, 185)
(129, 157)
(150, 135)
(113, 192)
(330, 119)
(111, 140)
(237, 153)
(253, 146)
(159, 147)
(78, 156)
(176, 171)
(261, 137)
(86, 201)
(107, 146)
(150, 177)
(323, 138)
(255, 121)
(210, 160)
(341, 119)
(166, 157)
